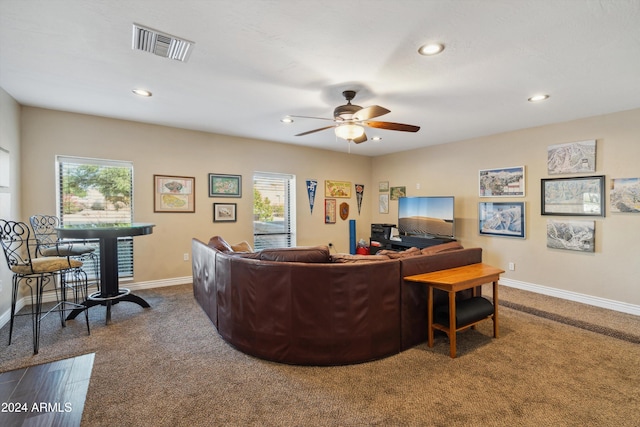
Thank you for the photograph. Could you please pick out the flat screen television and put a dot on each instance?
(431, 216)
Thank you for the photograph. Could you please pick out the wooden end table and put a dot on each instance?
(451, 281)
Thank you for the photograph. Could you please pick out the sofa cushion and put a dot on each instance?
(402, 254)
(352, 259)
(445, 247)
(220, 244)
(298, 254)
(242, 247)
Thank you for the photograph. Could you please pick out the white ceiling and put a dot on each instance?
(255, 61)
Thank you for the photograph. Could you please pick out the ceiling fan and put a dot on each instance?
(349, 120)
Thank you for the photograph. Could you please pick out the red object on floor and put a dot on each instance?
(362, 251)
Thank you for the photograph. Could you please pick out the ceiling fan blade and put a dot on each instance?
(315, 130)
(360, 139)
(392, 126)
(367, 113)
(310, 117)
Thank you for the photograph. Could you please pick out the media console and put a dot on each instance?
(406, 243)
(381, 234)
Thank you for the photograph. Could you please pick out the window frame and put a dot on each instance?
(125, 244)
(288, 236)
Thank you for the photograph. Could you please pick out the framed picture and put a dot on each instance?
(225, 185)
(571, 235)
(224, 212)
(574, 157)
(502, 182)
(383, 186)
(337, 189)
(383, 203)
(624, 195)
(174, 193)
(579, 196)
(397, 192)
(329, 211)
(502, 219)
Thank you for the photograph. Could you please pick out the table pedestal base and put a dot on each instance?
(96, 299)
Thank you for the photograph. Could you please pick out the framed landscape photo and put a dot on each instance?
(624, 195)
(502, 182)
(224, 212)
(572, 157)
(506, 219)
(221, 185)
(578, 196)
(174, 193)
(571, 235)
(397, 192)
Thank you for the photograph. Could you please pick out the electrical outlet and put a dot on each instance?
(512, 266)
(186, 256)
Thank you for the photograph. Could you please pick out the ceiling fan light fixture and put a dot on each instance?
(349, 131)
(431, 49)
(538, 98)
(142, 92)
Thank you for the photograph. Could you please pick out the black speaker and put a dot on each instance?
(381, 231)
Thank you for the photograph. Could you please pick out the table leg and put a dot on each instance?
(430, 316)
(110, 292)
(495, 309)
(452, 324)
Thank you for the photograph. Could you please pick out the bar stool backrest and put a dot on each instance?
(15, 238)
(44, 229)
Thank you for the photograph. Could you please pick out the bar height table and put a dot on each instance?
(107, 234)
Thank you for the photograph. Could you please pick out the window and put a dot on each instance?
(96, 191)
(274, 218)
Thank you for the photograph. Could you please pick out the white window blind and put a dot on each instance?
(97, 191)
(274, 218)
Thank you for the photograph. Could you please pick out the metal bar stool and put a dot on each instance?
(48, 244)
(37, 273)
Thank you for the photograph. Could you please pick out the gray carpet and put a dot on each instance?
(167, 366)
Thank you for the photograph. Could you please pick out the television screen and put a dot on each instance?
(426, 216)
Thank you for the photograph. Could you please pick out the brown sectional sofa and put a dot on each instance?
(304, 306)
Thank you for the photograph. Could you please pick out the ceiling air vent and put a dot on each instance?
(161, 44)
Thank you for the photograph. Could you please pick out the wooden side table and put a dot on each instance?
(451, 281)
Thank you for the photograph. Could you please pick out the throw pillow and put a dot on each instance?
(242, 247)
(352, 259)
(451, 246)
(220, 244)
(403, 254)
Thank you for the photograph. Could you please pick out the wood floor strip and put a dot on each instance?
(47, 395)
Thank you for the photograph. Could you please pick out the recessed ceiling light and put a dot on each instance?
(142, 92)
(431, 49)
(538, 98)
(286, 120)
(376, 138)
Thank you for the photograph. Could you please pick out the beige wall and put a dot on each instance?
(608, 275)
(170, 151)
(9, 197)
(611, 273)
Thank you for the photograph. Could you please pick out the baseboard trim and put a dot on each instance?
(573, 296)
(50, 296)
(539, 289)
